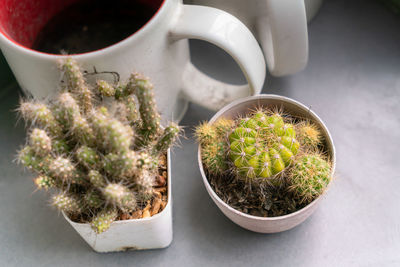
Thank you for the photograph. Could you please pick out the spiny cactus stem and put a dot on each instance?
(67, 203)
(143, 90)
(93, 199)
(40, 115)
(102, 221)
(206, 133)
(44, 182)
(132, 113)
(88, 157)
(120, 196)
(167, 139)
(105, 88)
(63, 169)
(97, 179)
(77, 84)
(40, 142)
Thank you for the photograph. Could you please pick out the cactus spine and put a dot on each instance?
(102, 160)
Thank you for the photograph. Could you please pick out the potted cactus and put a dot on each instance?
(105, 160)
(265, 161)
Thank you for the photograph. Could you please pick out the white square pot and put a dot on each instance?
(148, 233)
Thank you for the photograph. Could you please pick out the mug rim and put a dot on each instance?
(219, 201)
(10, 41)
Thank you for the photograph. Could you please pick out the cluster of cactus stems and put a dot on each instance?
(269, 150)
(99, 158)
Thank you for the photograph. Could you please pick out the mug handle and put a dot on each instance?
(282, 31)
(227, 32)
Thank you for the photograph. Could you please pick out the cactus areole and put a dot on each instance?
(101, 160)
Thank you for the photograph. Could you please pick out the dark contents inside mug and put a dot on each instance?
(90, 25)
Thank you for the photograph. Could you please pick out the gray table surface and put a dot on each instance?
(352, 81)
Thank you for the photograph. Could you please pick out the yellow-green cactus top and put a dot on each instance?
(262, 146)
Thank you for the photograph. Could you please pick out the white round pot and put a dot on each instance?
(148, 233)
(268, 224)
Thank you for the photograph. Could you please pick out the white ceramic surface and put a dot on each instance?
(159, 50)
(268, 224)
(312, 8)
(148, 233)
(279, 25)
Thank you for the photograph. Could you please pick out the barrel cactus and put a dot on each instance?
(100, 159)
(262, 146)
(275, 156)
(309, 176)
(308, 135)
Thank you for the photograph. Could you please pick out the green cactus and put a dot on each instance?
(29, 159)
(102, 221)
(103, 158)
(114, 135)
(167, 138)
(40, 142)
(44, 182)
(40, 115)
(94, 199)
(265, 163)
(122, 165)
(131, 112)
(309, 135)
(214, 157)
(145, 182)
(76, 83)
(96, 179)
(262, 146)
(310, 176)
(64, 170)
(60, 147)
(223, 126)
(88, 157)
(66, 203)
(206, 133)
(105, 88)
(120, 196)
(150, 127)
(212, 137)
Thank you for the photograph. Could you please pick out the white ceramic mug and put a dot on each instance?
(159, 50)
(279, 25)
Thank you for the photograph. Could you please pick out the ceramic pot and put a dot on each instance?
(312, 8)
(138, 234)
(269, 224)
